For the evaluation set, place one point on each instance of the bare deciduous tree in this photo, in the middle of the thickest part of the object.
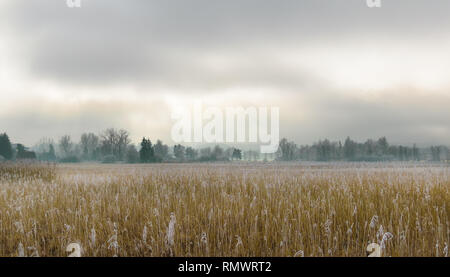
(115, 142)
(65, 145)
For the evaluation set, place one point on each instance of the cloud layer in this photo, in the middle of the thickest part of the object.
(334, 68)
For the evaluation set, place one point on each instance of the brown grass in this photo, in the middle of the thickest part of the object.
(224, 209)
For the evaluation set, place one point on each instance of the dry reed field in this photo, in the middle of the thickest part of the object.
(224, 209)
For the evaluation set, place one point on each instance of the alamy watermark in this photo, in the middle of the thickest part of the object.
(73, 3)
(228, 125)
(373, 3)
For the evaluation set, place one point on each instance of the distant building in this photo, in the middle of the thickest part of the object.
(23, 153)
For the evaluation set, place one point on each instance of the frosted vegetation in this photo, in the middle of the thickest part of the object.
(236, 209)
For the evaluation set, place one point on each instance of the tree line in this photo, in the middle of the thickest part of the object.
(350, 150)
(111, 146)
(114, 145)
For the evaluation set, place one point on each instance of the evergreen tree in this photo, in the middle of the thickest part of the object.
(161, 151)
(350, 149)
(5, 147)
(179, 152)
(237, 154)
(51, 153)
(146, 154)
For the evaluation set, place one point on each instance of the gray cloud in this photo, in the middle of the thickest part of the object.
(162, 42)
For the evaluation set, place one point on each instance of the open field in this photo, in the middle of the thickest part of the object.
(225, 209)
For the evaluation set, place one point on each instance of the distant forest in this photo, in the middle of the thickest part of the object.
(113, 146)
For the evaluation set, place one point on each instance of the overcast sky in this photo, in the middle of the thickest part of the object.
(335, 68)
